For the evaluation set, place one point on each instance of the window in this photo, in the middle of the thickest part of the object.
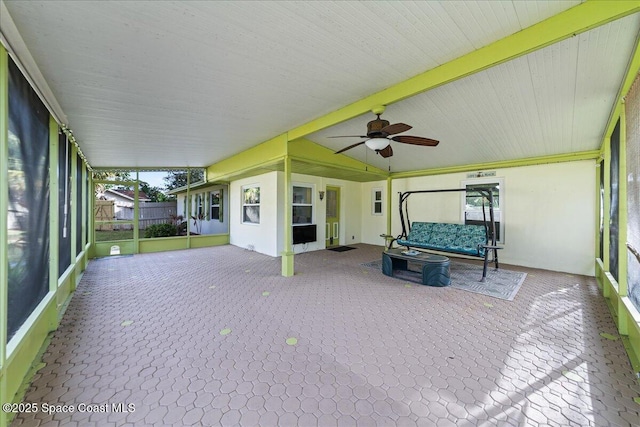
(472, 203)
(302, 205)
(376, 201)
(199, 203)
(251, 204)
(216, 197)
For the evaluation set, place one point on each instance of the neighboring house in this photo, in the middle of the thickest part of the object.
(124, 197)
(206, 207)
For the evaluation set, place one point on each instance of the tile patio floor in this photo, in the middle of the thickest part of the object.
(371, 350)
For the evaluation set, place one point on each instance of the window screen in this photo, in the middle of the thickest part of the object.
(633, 193)
(64, 204)
(28, 213)
(614, 197)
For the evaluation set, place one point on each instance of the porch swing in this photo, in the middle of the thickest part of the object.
(466, 240)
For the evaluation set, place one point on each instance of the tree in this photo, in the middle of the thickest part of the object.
(155, 194)
(176, 179)
(108, 176)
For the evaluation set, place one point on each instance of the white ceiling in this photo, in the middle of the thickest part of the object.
(150, 84)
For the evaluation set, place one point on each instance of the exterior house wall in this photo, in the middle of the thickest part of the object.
(267, 237)
(208, 225)
(549, 213)
(260, 237)
(350, 203)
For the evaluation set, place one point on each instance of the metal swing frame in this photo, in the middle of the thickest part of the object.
(489, 226)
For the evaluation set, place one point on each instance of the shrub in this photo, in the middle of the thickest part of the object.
(160, 230)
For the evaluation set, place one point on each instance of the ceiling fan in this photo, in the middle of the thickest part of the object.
(378, 137)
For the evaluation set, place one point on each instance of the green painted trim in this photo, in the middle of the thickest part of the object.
(287, 253)
(607, 203)
(162, 244)
(632, 72)
(625, 315)
(188, 212)
(4, 207)
(91, 218)
(136, 215)
(26, 342)
(596, 248)
(532, 161)
(103, 249)
(622, 205)
(578, 19)
(305, 150)
(73, 168)
(54, 220)
(268, 151)
(389, 206)
(208, 240)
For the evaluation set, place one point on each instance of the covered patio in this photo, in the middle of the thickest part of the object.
(288, 128)
(204, 337)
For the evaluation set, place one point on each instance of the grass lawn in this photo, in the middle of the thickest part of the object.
(106, 236)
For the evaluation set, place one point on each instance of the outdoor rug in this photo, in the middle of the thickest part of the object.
(502, 284)
(342, 249)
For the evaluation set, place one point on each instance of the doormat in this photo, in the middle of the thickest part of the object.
(502, 284)
(342, 249)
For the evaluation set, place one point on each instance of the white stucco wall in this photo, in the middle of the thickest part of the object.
(259, 237)
(549, 213)
(211, 226)
(350, 205)
(267, 237)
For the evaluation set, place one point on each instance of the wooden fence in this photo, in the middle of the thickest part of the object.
(150, 213)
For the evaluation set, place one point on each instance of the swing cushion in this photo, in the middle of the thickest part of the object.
(456, 238)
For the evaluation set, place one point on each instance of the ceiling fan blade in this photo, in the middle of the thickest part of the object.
(416, 140)
(349, 136)
(350, 147)
(386, 151)
(395, 128)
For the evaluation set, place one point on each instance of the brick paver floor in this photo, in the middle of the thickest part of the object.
(216, 336)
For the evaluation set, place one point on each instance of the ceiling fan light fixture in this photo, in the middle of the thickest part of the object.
(377, 143)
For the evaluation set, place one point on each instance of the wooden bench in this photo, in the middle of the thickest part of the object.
(461, 239)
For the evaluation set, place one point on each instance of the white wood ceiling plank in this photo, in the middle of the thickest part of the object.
(195, 82)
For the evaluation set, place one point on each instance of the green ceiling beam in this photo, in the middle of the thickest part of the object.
(264, 153)
(559, 158)
(632, 72)
(303, 149)
(576, 20)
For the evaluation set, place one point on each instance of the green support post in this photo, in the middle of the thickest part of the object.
(54, 220)
(389, 207)
(136, 215)
(623, 326)
(287, 253)
(4, 240)
(607, 202)
(187, 214)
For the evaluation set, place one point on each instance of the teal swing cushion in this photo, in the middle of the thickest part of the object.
(456, 238)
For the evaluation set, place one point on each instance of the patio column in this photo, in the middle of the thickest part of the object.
(389, 208)
(54, 221)
(623, 292)
(287, 253)
(4, 203)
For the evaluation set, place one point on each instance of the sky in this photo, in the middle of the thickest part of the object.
(154, 179)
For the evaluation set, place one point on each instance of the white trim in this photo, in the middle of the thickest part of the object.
(498, 211)
(312, 203)
(243, 204)
(374, 201)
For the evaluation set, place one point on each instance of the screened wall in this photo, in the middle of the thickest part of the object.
(633, 192)
(28, 204)
(614, 196)
(64, 203)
